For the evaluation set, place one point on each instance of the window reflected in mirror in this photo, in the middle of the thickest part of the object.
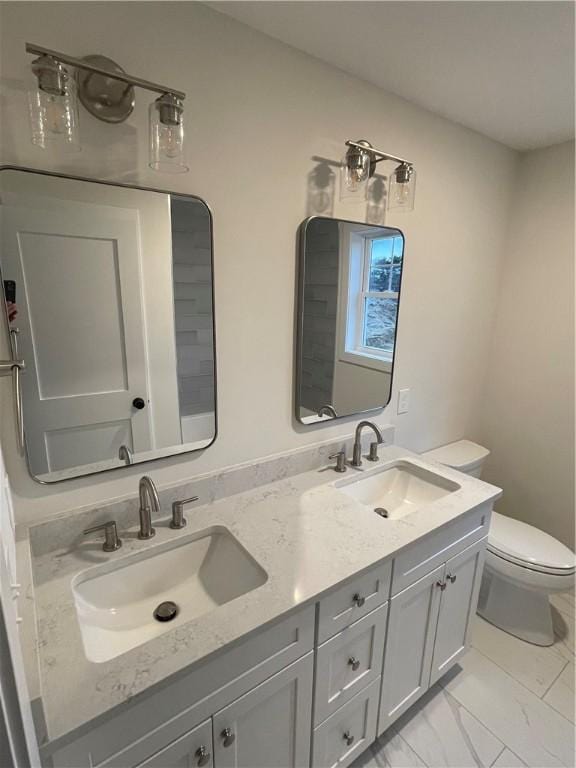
(349, 290)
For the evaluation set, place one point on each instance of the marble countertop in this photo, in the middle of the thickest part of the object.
(305, 533)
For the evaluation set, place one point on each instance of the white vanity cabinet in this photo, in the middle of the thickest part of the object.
(458, 600)
(269, 671)
(269, 726)
(409, 646)
(428, 628)
(314, 688)
(193, 750)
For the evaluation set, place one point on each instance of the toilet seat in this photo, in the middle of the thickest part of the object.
(528, 547)
(526, 578)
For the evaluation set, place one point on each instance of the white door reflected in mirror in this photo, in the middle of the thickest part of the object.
(111, 291)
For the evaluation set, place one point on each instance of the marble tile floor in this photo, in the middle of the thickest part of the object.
(507, 704)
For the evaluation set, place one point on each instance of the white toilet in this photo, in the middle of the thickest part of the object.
(523, 564)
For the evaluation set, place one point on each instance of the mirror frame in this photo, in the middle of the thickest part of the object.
(299, 320)
(6, 327)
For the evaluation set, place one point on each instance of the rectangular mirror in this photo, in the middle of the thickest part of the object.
(349, 292)
(108, 294)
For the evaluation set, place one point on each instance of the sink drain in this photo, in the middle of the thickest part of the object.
(166, 611)
(381, 511)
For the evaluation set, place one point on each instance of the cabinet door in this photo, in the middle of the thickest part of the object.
(193, 750)
(409, 645)
(269, 727)
(457, 607)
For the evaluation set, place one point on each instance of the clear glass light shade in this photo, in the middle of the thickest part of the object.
(402, 191)
(54, 118)
(354, 174)
(166, 139)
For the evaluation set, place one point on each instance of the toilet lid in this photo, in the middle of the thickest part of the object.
(528, 546)
(461, 455)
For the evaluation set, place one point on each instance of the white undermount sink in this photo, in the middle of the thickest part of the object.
(115, 603)
(397, 489)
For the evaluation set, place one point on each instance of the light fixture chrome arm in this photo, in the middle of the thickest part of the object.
(377, 154)
(123, 77)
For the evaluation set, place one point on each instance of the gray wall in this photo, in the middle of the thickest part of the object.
(527, 415)
(193, 306)
(258, 206)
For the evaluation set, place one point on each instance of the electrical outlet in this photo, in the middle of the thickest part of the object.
(403, 401)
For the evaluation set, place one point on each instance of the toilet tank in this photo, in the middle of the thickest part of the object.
(463, 455)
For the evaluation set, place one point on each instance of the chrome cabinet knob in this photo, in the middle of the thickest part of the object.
(348, 738)
(442, 585)
(358, 600)
(228, 737)
(451, 578)
(354, 663)
(203, 756)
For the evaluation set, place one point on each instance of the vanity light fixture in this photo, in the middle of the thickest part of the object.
(107, 92)
(53, 106)
(402, 188)
(167, 134)
(359, 165)
(355, 170)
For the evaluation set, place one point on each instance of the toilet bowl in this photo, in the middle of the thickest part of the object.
(523, 564)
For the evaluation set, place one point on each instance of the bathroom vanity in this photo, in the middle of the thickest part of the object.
(301, 610)
(327, 623)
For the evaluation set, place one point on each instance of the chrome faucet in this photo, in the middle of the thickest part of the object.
(149, 503)
(357, 450)
(125, 455)
(328, 410)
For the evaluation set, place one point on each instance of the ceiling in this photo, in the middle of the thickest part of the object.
(505, 69)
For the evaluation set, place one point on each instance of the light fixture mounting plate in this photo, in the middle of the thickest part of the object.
(107, 99)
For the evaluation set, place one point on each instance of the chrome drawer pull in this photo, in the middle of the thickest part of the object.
(348, 738)
(354, 663)
(228, 737)
(203, 756)
(441, 584)
(358, 600)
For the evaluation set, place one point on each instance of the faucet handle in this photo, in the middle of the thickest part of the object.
(178, 519)
(340, 457)
(111, 540)
(373, 455)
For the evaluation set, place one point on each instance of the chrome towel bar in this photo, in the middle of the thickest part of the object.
(13, 368)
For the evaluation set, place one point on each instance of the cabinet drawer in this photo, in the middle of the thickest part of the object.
(162, 715)
(348, 662)
(355, 599)
(424, 556)
(193, 750)
(348, 732)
